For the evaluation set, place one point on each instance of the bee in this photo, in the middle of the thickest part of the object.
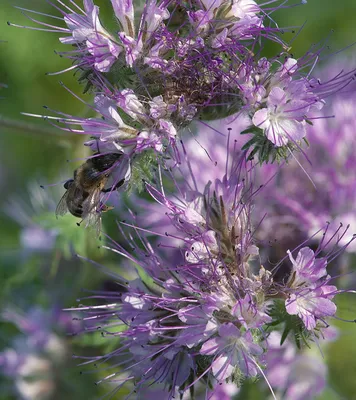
(83, 196)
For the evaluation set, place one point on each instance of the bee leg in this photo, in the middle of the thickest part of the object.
(120, 183)
(105, 208)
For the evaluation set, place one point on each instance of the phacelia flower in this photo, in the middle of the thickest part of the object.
(90, 37)
(38, 356)
(294, 375)
(311, 295)
(201, 316)
(305, 194)
(34, 236)
(193, 321)
(183, 63)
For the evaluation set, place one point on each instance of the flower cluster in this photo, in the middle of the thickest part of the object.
(310, 293)
(297, 375)
(33, 237)
(308, 192)
(201, 313)
(185, 62)
(200, 308)
(38, 355)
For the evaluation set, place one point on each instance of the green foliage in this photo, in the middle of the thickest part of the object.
(224, 106)
(71, 238)
(237, 377)
(203, 362)
(85, 79)
(99, 340)
(122, 76)
(291, 324)
(264, 149)
(342, 352)
(144, 169)
(25, 58)
(250, 391)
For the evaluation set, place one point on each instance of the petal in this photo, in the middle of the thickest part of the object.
(305, 258)
(260, 119)
(228, 329)
(124, 12)
(275, 133)
(330, 290)
(294, 130)
(324, 307)
(221, 368)
(184, 369)
(210, 347)
(276, 98)
(291, 305)
(88, 6)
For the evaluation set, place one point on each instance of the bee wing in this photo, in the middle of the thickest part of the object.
(91, 210)
(93, 219)
(62, 207)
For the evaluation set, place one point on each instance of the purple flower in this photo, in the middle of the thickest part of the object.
(152, 17)
(305, 194)
(34, 235)
(153, 80)
(199, 317)
(37, 356)
(287, 103)
(192, 320)
(306, 268)
(226, 391)
(242, 16)
(111, 134)
(250, 314)
(199, 314)
(277, 120)
(312, 303)
(96, 47)
(88, 33)
(296, 376)
(230, 349)
(310, 296)
(207, 155)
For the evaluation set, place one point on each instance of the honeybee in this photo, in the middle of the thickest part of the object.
(83, 196)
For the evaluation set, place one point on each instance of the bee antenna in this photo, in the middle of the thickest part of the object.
(53, 184)
(78, 223)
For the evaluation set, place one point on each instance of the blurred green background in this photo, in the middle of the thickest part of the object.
(34, 152)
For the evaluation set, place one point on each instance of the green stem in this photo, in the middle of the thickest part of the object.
(34, 129)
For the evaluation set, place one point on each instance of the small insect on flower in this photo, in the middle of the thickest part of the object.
(83, 196)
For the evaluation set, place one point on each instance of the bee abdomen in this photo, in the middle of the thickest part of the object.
(76, 210)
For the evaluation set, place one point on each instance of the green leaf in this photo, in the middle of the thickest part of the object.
(143, 169)
(285, 333)
(291, 324)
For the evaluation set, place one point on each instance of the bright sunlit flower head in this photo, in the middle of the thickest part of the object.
(187, 62)
(202, 317)
(186, 109)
